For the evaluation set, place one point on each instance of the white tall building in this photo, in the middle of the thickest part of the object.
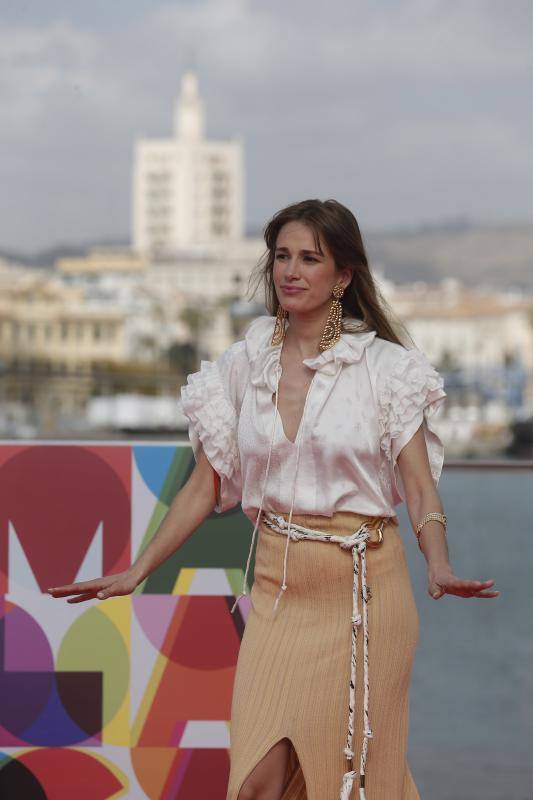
(187, 191)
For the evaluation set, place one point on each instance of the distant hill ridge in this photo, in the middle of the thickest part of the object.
(499, 255)
(46, 258)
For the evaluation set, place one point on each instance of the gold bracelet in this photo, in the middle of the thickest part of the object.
(432, 515)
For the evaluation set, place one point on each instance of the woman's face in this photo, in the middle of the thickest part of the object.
(304, 278)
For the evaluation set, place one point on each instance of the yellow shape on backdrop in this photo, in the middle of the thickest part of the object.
(184, 580)
(117, 730)
(147, 700)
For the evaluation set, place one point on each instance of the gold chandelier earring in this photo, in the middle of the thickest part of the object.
(332, 329)
(279, 327)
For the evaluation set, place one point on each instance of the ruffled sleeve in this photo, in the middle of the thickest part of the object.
(409, 395)
(211, 401)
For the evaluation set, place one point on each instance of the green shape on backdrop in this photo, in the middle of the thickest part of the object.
(221, 541)
(93, 644)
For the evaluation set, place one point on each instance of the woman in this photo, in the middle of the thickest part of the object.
(319, 422)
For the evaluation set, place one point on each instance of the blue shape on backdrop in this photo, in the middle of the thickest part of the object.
(153, 462)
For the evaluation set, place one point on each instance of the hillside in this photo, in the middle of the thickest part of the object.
(499, 255)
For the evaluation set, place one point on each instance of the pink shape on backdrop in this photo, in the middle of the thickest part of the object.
(154, 613)
(245, 604)
(8, 740)
(177, 778)
(26, 648)
(177, 733)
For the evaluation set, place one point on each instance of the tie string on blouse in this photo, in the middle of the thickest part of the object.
(299, 435)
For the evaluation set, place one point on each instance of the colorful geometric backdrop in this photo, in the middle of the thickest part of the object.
(127, 697)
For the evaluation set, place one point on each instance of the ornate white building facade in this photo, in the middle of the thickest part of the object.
(187, 191)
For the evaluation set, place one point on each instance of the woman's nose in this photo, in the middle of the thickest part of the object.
(292, 268)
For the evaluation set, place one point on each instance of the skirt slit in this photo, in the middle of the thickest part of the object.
(294, 781)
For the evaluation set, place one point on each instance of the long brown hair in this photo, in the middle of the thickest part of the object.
(364, 307)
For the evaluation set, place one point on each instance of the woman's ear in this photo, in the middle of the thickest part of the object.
(346, 276)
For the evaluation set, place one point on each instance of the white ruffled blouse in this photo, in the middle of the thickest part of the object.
(367, 398)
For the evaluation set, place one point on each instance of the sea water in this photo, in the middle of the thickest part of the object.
(471, 698)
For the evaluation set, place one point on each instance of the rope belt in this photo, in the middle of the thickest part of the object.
(357, 542)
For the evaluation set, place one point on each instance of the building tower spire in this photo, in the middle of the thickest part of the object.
(189, 117)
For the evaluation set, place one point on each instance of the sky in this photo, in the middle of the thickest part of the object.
(408, 111)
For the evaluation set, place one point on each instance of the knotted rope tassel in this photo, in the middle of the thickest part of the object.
(347, 784)
(358, 547)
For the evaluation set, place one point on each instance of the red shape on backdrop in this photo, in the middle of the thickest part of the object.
(216, 481)
(66, 774)
(206, 776)
(217, 649)
(55, 497)
(197, 681)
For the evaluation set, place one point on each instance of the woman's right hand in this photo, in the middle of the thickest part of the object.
(110, 586)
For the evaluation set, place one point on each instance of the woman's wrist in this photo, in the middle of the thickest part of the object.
(438, 565)
(138, 573)
(433, 544)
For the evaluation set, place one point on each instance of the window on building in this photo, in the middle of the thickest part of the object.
(157, 178)
(219, 229)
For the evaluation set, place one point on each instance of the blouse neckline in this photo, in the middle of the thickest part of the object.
(264, 357)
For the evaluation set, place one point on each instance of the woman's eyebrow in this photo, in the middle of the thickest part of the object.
(306, 252)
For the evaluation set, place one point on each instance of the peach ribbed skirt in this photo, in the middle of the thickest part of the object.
(293, 670)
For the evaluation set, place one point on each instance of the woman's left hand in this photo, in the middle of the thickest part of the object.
(441, 581)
